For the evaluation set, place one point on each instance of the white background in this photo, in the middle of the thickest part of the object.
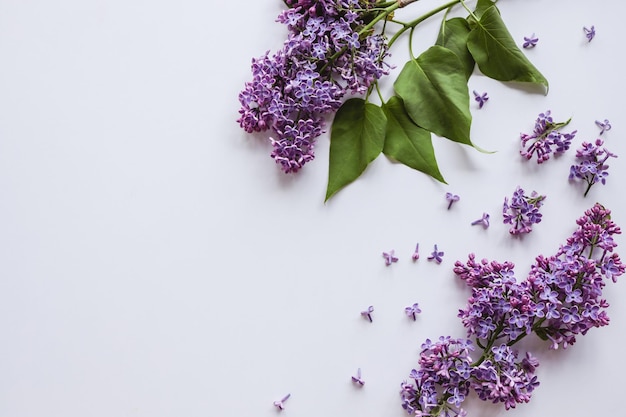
(154, 261)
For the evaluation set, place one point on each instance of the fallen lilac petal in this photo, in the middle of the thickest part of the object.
(368, 313)
(357, 379)
(484, 221)
(389, 257)
(280, 404)
(416, 254)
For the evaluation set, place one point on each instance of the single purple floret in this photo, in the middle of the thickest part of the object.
(436, 255)
(480, 98)
(452, 198)
(604, 126)
(357, 378)
(590, 33)
(530, 41)
(412, 311)
(368, 313)
(280, 404)
(390, 257)
(484, 221)
(416, 253)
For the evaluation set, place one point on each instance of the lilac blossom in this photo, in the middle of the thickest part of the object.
(560, 299)
(452, 198)
(591, 167)
(416, 252)
(530, 41)
(522, 211)
(604, 126)
(368, 313)
(483, 221)
(390, 257)
(357, 379)
(413, 311)
(480, 98)
(546, 139)
(280, 404)
(436, 255)
(589, 33)
(324, 57)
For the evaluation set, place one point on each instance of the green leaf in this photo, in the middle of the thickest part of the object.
(357, 137)
(496, 53)
(482, 6)
(434, 90)
(408, 143)
(453, 35)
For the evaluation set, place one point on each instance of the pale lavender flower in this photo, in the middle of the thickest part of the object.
(589, 33)
(390, 257)
(280, 404)
(412, 311)
(530, 41)
(436, 255)
(452, 198)
(357, 379)
(480, 98)
(368, 313)
(484, 221)
(604, 126)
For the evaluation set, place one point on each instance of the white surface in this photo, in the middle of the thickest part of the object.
(155, 262)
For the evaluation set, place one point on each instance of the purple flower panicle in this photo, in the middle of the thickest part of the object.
(546, 139)
(323, 59)
(522, 211)
(591, 167)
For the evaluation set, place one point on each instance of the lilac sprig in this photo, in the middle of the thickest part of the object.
(326, 55)
(591, 167)
(546, 139)
(522, 211)
(560, 299)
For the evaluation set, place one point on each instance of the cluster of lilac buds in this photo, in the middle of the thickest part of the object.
(560, 299)
(329, 52)
(591, 167)
(546, 139)
(522, 211)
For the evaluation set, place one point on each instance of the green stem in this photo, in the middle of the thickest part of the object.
(413, 23)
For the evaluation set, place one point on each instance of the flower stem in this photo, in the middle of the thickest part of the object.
(413, 23)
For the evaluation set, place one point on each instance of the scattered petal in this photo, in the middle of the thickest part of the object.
(436, 255)
(280, 404)
(389, 257)
(530, 41)
(412, 311)
(416, 254)
(452, 198)
(590, 33)
(368, 313)
(604, 126)
(357, 378)
(484, 221)
(480, 98)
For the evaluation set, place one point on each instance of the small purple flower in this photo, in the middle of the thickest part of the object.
(412, 311)
(357, 378)
(604, 126)
(480, 98)
(589, 33)
(436, 255)
(452, 198)
(484, 221)
(530, 41)
(416, 253)
(368, 313)
(522, 211)
(389, 257)
(591, 167)
(280, 404)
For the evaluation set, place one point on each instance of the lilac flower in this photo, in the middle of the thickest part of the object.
(368, 313)
(604, 126)
(357, 378)
(546, 139)
(412, 311)
(323, 59)
(484, 221)
(389, 257)
(452, 198)
(480, 98)
(589, 33)
(416, 253)
(522, 211)
(280, 404)
(530, 41)
(591, 167)
(436, 255)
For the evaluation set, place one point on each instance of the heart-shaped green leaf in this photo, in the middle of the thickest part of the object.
(482, 6)
(496, 53)
(434, 90)
(408, 143)
(453, 35)
(357, 137)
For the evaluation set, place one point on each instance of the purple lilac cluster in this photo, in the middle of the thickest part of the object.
(328, 53)
(522, 211)
(546, 139)
(560, 299)
(591, 167)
